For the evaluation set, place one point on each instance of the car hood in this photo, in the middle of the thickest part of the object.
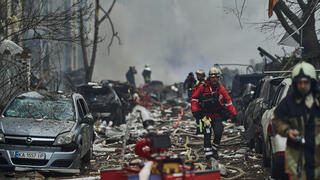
(33, 127)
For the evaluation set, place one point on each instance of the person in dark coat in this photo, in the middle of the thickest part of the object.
(297, 117)
(189, 84)
(130, 75)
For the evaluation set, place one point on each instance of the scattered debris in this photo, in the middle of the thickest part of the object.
(110, 142)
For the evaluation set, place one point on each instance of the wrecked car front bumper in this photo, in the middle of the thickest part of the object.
(54, 158)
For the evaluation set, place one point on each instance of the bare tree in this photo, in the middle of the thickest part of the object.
(237, 11)
(297, 18)
(305, 34)
(89, 63)
(37, 22)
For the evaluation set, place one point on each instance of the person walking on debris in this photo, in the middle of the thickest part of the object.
(297, 117)
(130, 75)
(216, 106)
(195, 107)
(146, 73)
(189, 84)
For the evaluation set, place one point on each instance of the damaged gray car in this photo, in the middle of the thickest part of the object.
(46, 132)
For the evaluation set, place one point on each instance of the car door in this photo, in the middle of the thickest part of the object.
(89, 116)
(85, 128)
(268, 115)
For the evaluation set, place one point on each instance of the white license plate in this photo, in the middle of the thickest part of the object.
(30, 155)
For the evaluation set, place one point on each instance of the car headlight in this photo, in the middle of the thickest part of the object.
(63, 139)
(2, 138)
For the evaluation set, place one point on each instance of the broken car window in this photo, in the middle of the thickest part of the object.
(27, 107)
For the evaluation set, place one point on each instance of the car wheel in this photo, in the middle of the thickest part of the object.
(239, 119)
(118, 117)
(266, 151)
(258, 144)
(122, 116)
(274, 171)
(277, 167)
(245, 123)
(88, 156)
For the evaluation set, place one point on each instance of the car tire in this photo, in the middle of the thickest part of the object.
(258, 144)
(277, 167)
(266, 153)
(88, 156)
(239, 120)
(118, 117)
(245, 122)
(122, 116)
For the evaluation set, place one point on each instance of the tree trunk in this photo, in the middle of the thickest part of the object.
(311, 52)
(89, 72)
(89, 66)
(310, 42)
(83, 46)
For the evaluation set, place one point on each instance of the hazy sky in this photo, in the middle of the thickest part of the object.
(179, 36)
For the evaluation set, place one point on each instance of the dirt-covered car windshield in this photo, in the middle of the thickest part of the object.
(38, 108)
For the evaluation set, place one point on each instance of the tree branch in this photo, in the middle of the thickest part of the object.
(310, 2)
(114, 34)
(311, 8)
(107, 13)
(302, 5)
(285, 24)
(291, 16)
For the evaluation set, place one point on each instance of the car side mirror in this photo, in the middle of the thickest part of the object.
(88, 119)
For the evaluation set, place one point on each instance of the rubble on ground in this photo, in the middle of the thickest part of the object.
(235, 157)
(236, 160)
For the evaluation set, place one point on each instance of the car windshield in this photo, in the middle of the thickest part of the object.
(239, 83)
(41, 108)
(95, 91)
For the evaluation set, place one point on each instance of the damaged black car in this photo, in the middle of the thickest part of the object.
(103, 102)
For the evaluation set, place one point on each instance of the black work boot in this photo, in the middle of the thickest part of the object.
(208, 152)
(215, 154)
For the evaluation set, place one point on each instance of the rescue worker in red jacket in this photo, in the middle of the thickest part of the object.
(216, 106)
(195, 107)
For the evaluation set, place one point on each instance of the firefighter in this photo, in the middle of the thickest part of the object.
(146, 73)
(297, 117)
(130, 75)
(188, 84)
(195, 108)
(213, 100)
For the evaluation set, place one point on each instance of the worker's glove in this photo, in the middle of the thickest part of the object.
(206, 121)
